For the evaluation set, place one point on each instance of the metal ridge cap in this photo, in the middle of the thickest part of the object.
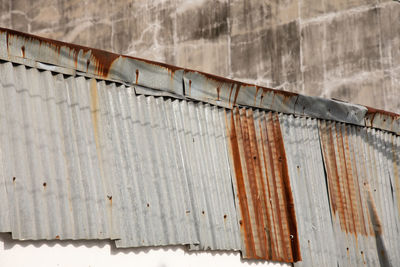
(28, 49)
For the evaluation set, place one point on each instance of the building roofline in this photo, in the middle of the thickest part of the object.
(155, 78)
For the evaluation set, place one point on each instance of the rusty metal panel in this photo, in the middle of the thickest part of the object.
(164, 79)
(362, 180)
(265, 202)
(307, 177)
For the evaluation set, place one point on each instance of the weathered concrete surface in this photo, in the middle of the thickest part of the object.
(342, 49)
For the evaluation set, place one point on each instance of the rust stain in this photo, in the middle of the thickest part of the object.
(190, 87)
(137, 76)
(94, 109)
(291, 215)
(230, 92)
(264, 191)
(23, 51)
(255, 96)
(236, 94)
(373, 111)
(245, 223)
(218, 92)
(343, 179)
(103, 60)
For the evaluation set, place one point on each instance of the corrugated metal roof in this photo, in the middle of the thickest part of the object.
(267, 217)
(134, 156)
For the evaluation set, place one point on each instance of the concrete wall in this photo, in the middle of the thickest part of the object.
(344, 49)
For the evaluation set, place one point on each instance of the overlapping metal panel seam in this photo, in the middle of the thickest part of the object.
(149, 218)
(155, 152)
(307, 176)
(208, 164)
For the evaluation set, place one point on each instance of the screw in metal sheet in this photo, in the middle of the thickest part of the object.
(109, 197)
(14, 179)
(44, 184)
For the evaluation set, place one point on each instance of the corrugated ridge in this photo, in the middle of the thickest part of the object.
(307, 177)
(160, 152)
(267, 219)
(361, 173)
(164, 79)
(51, 195)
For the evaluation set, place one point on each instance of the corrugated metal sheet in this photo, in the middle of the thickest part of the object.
(267, 218)
(362, 178)
(83, 159)
(165, 79)
(307, 177)
(50, 167)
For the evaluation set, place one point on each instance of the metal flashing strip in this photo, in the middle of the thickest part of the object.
(73, 59)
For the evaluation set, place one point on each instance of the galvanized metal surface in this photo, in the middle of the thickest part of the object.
(91, 159)
(362, 181)
(83, 159)
(267, 218)
(49, 160)
(307, 177)
(72, 59)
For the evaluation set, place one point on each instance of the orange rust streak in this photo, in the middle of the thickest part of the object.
(345, 183)
(248, 142)
(277, 208)
(363, 228)
(244, 209)
(295, 247)
(350, 183)
(326, 152)
(270, 213)
(354, 186)
(261, 173)
(344, 190)
(338, 188)
(137, 76)
(236, 94)
(230, 92)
